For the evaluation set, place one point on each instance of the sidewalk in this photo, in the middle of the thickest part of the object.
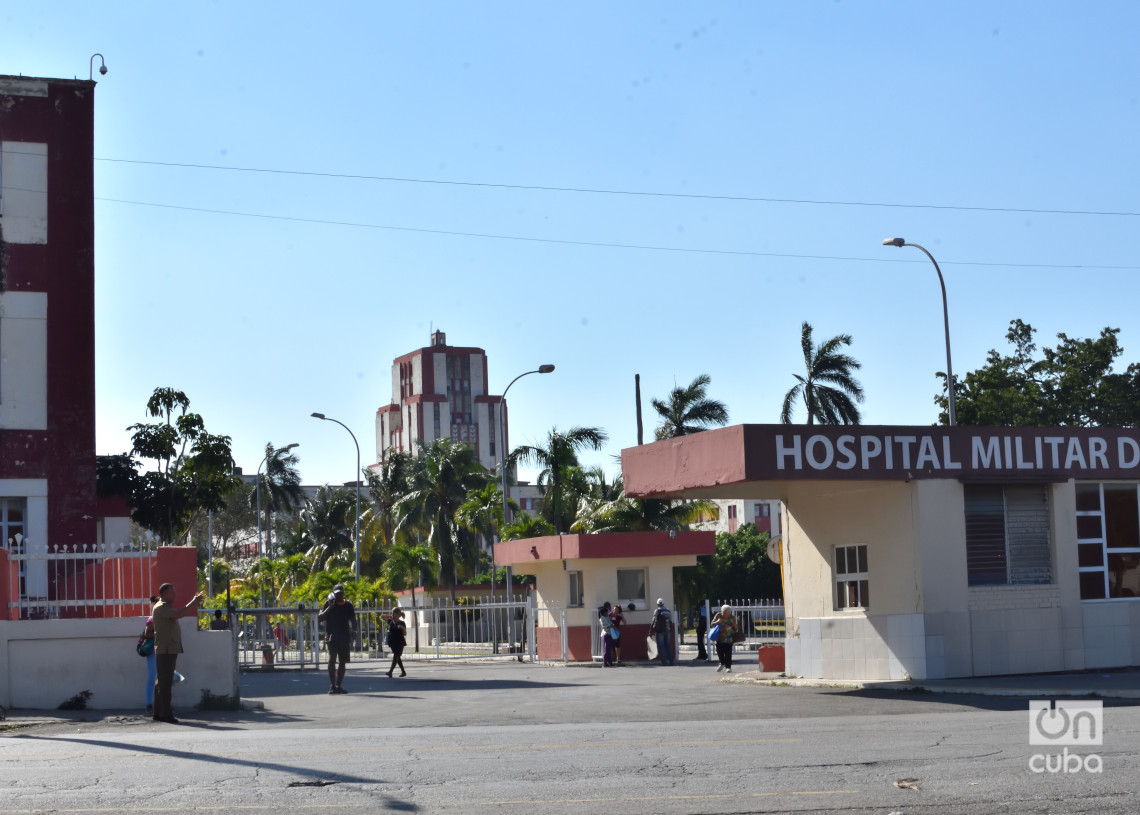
(1121, 683)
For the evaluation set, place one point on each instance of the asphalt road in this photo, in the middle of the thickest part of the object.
(516, 738)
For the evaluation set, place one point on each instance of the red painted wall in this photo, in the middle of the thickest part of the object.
(64, 268)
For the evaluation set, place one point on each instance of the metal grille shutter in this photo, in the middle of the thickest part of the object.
(985, 535)
(1027, 529)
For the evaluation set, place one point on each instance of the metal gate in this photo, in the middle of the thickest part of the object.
(468, 628)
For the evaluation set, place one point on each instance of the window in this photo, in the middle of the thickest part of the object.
(1007, 535)
(851, 577)
(631, 587)
(576, 594)
(1108, 541)
(12, 535)
(23, 192)
(492, 428)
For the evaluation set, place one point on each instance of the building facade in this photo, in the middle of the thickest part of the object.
(47, 321)
(934, 552)
(441, 392)
(731, 514)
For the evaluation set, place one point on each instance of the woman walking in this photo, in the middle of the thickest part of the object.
(397, 639)
(727, 625)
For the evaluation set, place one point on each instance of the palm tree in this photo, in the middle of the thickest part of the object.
(388, 483)
(326, 526)
(280, 485)
(526, 525)
(828, 389)
(621, 513)
(689, 410)
(562, 481)
(446, 472)
(408, 566)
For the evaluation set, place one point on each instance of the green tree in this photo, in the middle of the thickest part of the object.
(387, 484)
(525, 525)
(738, 570)
(1071, 385)
(326, 528)
(622, 513)
(280, 488)
(408, 566)
(191, 470)
(561, 481)
(829, 390)
(689, 410)
(446, 473)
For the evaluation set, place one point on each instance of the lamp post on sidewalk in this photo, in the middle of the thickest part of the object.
(357, 480)
(945, 321)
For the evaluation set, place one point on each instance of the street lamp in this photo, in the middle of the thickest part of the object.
(285, 449)
(354, 441)
(542, 369)
(945, 319)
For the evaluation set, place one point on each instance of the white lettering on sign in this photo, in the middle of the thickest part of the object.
(997, 452)
(1129, 457)
(783, 452)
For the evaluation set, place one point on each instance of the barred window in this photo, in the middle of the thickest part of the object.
(1007, 535)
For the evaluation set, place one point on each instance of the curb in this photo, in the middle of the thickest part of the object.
(778, 680)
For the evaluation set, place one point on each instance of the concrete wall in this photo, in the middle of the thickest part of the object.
(823, 515)
(47, 662)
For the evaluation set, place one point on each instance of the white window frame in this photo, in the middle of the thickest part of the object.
(639, 603)
(576, 595)
(852, 588)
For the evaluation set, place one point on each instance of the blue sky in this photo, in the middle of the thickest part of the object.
(657, 188)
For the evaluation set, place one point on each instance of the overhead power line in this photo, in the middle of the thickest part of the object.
(602, 191)
(601, 244)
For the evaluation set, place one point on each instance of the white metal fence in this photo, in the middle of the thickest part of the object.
(468, 628)
(762, 621)
(108, 580)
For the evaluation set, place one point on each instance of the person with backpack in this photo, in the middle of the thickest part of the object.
(661, 628)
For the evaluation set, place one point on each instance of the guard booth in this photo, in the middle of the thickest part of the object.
(581, 572)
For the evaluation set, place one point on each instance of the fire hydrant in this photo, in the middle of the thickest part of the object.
(267, 656)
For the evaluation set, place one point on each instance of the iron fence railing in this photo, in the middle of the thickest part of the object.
(470, 627)
(83, 580)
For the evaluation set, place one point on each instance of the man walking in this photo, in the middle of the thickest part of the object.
(167, 647)
(661, 625)
(339, 618)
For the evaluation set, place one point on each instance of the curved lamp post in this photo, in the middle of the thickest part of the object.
(945, 320)
(542, 369)
(357, 479)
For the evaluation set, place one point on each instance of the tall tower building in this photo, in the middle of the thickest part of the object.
(441, 392)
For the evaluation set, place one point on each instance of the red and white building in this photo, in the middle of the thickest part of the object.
(47, 320)
(441, 392)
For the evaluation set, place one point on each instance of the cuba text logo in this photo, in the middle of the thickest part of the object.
(1076, 723)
